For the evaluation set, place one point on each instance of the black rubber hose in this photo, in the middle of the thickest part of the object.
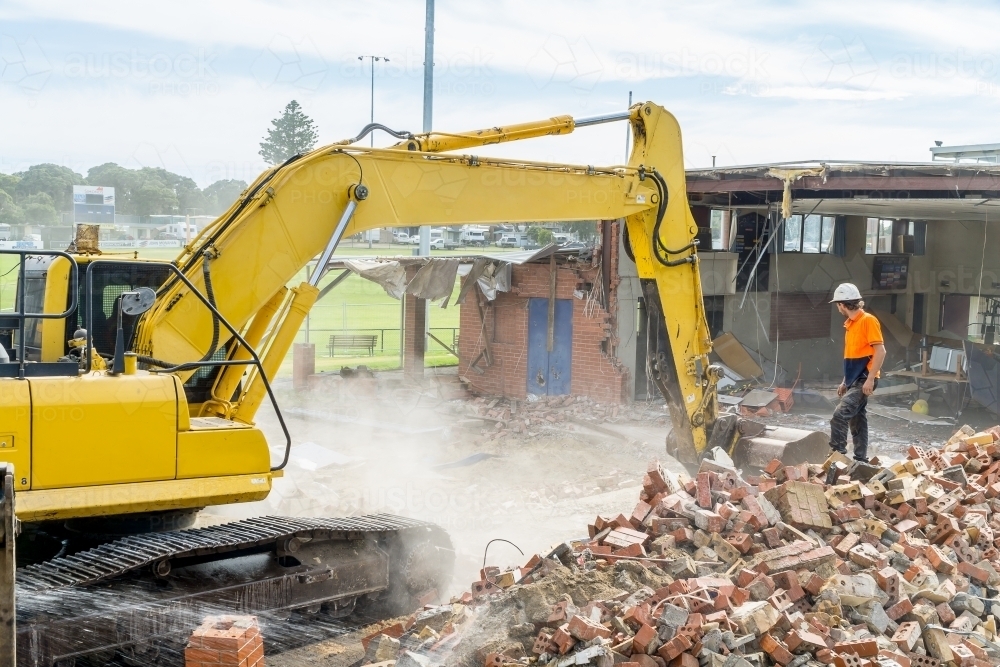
(660, 250)
(627, 242)
(153, 361)
(210, 293)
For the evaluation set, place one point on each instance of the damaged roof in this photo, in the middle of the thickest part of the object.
(918, 190)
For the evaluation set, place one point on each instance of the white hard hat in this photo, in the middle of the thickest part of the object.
(845, 292)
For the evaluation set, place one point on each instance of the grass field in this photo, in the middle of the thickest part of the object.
(355, 306)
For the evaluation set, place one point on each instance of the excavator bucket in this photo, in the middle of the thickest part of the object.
(759, 444)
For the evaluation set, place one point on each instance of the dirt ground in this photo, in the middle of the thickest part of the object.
(365, 446)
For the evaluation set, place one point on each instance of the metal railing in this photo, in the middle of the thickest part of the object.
(444, 337)
(20, 316)
(253, 361)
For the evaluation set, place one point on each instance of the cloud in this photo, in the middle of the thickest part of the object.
(756, 83)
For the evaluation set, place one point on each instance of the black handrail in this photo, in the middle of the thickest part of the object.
(255, 360)
(20, 315)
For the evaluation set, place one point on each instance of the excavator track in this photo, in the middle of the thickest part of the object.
(135, 600)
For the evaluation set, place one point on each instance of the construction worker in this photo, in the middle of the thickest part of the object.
(864, 353)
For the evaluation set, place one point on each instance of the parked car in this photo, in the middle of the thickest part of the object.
(438, 244)
(400, 237)
(509, 242)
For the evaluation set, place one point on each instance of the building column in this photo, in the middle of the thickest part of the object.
(414, 338)
(303, 364)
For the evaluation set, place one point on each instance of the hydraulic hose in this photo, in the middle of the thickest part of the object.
(661, 251)
(210, 293)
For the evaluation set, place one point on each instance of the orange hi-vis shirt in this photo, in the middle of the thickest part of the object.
(859, 338)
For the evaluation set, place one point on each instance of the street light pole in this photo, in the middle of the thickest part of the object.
(372, 118)
(373, 59)
(425, 231)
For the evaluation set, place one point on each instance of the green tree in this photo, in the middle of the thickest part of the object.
(152, 197)
(55, 181)
(585, 231)
(123, 180)
(39, 209)
(220, 195)
(10, 213)
(540, 235)
(189, 196)
(147, 191)
(294, 133)
(8, 183)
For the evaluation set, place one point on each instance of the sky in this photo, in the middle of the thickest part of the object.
(192, 86)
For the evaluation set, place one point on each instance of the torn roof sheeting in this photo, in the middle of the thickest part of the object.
(436, 277)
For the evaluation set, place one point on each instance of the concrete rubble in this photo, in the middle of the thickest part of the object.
(895, 563)
(527, 417)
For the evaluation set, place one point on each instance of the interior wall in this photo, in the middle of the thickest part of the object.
(954, 253)
(959, 257)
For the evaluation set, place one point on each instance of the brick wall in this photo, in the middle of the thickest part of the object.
(595, 372)
(800, 316)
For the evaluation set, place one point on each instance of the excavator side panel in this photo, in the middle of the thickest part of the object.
(208, 452)
(15, 429)
(94, 429)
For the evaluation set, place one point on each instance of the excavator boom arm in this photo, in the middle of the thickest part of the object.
(294, 212)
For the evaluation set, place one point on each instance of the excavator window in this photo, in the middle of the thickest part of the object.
(34, 302)
(198, 387)
(110, 281)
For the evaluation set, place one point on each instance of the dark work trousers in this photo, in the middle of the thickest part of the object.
(851, 413)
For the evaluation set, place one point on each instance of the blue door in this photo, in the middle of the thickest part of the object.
(549, 372)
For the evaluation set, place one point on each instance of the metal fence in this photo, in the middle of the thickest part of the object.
(352, 321)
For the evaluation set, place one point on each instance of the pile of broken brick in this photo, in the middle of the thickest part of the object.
(510, 416)
(889, 564)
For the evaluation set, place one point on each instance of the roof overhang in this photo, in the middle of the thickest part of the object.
(963, 210)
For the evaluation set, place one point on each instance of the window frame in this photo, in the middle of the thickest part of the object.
(877, 228)
(800, 225)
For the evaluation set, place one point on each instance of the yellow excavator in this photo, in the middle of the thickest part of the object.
(129, 399)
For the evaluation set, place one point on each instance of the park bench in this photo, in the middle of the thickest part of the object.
(352, 342)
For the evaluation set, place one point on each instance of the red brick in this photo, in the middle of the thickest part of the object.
(865, 648)
(900, 609)
(704, 489)
(585, 629)
(643, 638)
(945, 613)
(209, 655)
(562, 640)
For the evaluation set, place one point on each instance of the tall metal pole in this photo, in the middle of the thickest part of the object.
(373, 59)
(372, 135)
(628, 131)
(425, 231)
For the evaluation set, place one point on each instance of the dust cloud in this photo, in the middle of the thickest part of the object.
(369, 445)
